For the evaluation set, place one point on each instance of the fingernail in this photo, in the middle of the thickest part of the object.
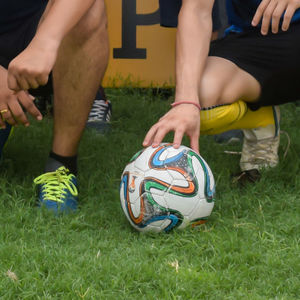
(39, 118)
(26, 125)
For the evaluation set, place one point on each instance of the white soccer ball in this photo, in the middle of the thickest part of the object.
(165, 188)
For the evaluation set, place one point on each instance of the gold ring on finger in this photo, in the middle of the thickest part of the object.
(3, 111)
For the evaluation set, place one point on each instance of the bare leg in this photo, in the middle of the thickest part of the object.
(80, 66)
(223, 83)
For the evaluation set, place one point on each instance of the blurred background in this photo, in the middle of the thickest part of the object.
(142, 53)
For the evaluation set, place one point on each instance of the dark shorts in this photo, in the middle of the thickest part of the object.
(273, 60)
(169, 10)
(13, 42)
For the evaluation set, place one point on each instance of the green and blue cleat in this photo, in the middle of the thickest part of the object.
(57, 191)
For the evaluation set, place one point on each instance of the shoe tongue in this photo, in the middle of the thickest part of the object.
(52, 165)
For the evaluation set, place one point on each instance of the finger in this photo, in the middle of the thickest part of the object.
(159, 136)
(194, 142)
(149, 136)
(12, 82)
(2, 120)
(42, 79)
(22, 82)
(18, 113)
(268, 13)
(33, 84)
(289, 13)
(8, 117)
(278, 12)
(178, 138)
(2, 123)
(27, 102)
(259, 12)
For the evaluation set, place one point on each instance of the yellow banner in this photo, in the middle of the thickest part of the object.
(142, 53)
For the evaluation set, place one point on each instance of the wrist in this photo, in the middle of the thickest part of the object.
(186, 92)
(194, 103)
(45, 43)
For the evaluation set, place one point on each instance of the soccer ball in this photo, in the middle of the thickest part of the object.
(165, 188)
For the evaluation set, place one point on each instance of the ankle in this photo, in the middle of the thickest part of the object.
(69, 162)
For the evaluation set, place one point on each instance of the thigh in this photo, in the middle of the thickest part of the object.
(273, 60)
(223, 82)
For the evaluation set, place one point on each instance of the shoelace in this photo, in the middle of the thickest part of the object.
(56, 184)
(98, 111)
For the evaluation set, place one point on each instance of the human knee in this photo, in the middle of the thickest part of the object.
(210, 91)
(93, 22)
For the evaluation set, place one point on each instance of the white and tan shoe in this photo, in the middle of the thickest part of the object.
(260, 147)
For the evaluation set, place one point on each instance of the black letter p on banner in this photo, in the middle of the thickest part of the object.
(130, 20)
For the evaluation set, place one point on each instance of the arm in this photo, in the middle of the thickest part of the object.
(192, 46)
(32, 67)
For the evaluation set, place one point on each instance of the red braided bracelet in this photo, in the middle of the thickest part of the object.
(186, 102)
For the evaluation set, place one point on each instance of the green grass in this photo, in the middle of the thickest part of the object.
(249, 249)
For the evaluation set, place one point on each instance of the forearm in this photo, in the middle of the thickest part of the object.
(60, 18)
(192, 46)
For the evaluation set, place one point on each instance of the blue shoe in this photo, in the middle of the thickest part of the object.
(4, 135)
(57, 191)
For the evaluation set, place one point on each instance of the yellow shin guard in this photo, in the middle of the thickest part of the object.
(234, 116)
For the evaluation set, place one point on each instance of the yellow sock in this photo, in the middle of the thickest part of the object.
(234, 116)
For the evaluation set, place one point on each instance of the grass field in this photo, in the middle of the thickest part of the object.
(249, 249)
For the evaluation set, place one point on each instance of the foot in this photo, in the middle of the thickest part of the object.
(260, 147)
(100, 114)
(57, 190)
(99, 117)
(244, 177)
(4, 135)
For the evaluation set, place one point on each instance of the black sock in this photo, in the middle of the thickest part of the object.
(69, 162)
(100, 94)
